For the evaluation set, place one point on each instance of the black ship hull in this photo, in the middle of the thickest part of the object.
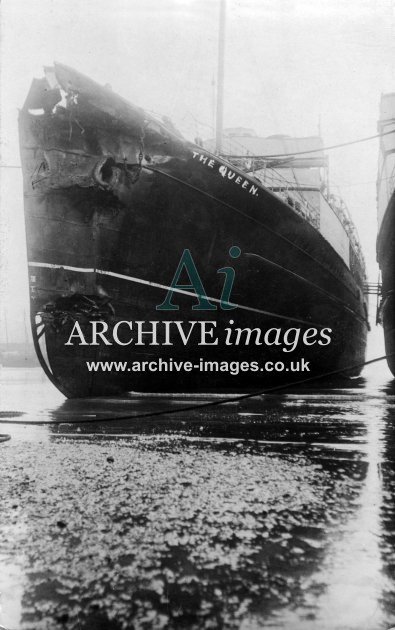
(112, 201)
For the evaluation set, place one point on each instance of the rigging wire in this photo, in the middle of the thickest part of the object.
(271, 155)
(280, 178)
(334, 146)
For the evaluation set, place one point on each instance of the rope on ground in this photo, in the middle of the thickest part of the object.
(212, 403)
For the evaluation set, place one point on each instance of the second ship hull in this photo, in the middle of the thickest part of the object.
(385, 257)
(386, 223)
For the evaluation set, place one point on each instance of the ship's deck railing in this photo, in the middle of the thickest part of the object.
(373, 288)
(281, 186)
(340, 209)
(291, 192)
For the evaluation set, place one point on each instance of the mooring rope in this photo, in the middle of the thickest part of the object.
(211, 403)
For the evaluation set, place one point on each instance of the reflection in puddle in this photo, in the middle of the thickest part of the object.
(355, 567)
(11, 592)
(352, 573)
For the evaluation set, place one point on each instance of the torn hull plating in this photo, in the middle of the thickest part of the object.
(112, 199)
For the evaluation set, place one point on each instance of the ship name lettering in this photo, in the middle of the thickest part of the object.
(227, 172)
(204, 159)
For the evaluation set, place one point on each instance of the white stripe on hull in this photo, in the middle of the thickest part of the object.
(166, 288)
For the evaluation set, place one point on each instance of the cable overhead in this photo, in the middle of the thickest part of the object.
(275, 155)
(334, 146)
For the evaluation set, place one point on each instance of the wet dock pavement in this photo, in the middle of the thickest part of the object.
(273, 512)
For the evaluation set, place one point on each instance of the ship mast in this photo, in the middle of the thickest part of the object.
(220, 78)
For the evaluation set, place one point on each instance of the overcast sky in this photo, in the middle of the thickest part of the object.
(292, 67)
